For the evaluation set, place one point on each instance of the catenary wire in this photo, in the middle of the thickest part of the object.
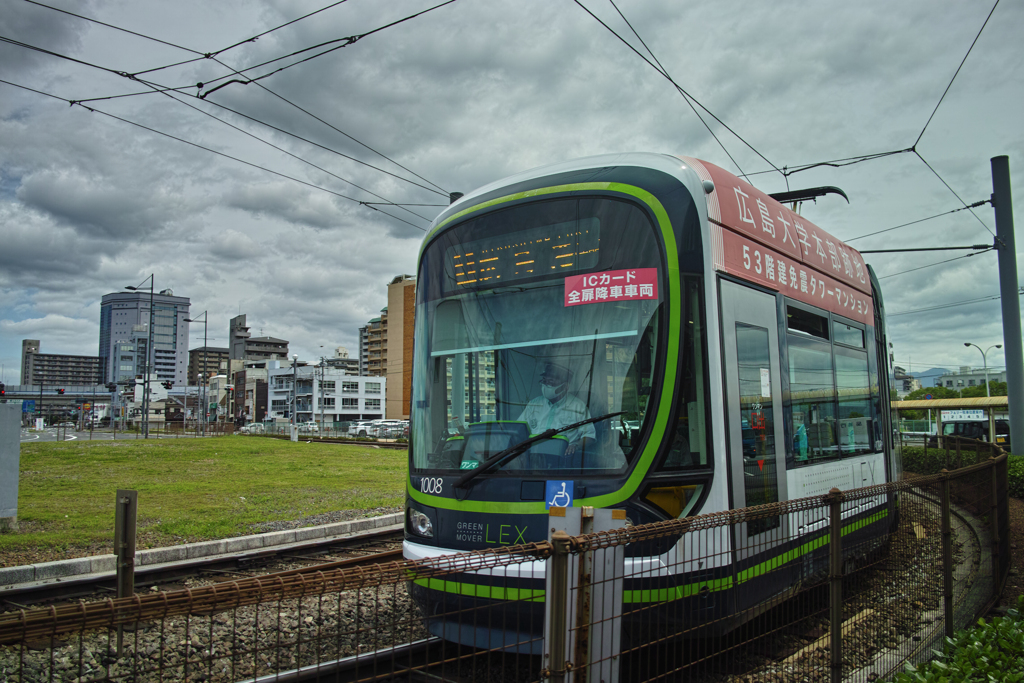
(296, 156)
(685, 97)
(920, 220)
(918, 154)
(669, 79)
(218, 153)
(834, 163)
(134, 76)
(938, 263)
(950, 85)
(156, 88)
(942, 306)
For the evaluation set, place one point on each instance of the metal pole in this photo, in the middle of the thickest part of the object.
(836, 588)
(124, 547)
(1010, 299)
(295, 397)
(323, 375)
(558, 597)
(947, 557)
(149, 363)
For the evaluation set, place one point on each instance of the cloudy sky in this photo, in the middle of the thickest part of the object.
(457, 97)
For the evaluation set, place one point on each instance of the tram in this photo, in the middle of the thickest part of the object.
(657, 336)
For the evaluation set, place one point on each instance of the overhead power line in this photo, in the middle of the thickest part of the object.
(938, 263)
(682, 90)
(920, 220)
(957, 72)
(218, 153)
(154, 88)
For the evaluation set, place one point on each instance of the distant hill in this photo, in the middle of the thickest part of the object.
(929, 376)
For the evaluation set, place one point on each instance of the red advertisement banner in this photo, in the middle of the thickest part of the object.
(611, 285)
(785, 274)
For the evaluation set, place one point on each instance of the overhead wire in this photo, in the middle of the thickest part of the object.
(938, 263)
(669, 79)
(681, 92)
(218, 153)
(948, 187)
(956, 73)
(134, 76)
(920, 220)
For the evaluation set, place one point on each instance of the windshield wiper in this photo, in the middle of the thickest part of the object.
(521, 447)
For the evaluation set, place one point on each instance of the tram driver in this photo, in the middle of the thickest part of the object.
(556, 408)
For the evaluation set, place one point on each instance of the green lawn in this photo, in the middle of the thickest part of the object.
(193, 489)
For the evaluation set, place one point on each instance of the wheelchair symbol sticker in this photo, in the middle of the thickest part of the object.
(558, 494)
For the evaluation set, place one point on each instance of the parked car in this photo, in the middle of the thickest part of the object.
(252, 428)
(388, 429)
(974, 429)
(360, 428)
(309, 427)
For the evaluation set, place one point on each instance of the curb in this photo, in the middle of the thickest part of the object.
(99, 564)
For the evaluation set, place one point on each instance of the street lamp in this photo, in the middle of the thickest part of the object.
(202, 411)
(295, 396)
(149, 354)
(984, 360)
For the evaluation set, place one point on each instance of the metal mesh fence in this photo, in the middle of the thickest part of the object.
(847, 586)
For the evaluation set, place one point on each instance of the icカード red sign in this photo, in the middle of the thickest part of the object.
(611, 285)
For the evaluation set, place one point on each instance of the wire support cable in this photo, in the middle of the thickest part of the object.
(942, 180)
(667, 77)
(956, 73)
(938, 263)
(155, 88)
(950, 305)
(682, 93)
(218, 153)
(920, 220)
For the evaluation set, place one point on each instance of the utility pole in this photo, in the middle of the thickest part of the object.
(295, 397)
(1010, 300)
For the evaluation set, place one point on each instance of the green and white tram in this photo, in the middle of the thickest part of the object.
(725, 350)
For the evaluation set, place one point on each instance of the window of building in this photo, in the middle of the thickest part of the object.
(350, 403)
(350, 387)
(373, 388)
(328, 402)
(373, 404)
(327, 385)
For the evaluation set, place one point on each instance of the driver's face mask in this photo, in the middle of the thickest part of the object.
(551, 393)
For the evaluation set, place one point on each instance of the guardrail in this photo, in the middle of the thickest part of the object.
(865, 581)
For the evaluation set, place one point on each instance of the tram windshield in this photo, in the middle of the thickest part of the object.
(533, 318)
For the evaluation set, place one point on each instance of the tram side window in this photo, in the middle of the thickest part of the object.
(689, 441)
(812, 389)
(856, 432)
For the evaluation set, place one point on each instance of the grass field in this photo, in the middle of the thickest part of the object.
(193, 489)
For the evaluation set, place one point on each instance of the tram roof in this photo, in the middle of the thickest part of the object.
(977, 402)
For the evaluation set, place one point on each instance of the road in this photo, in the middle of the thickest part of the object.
(72, 434)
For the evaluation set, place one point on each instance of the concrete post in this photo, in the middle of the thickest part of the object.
(1002, 201)
(835, 542)
(10, 465)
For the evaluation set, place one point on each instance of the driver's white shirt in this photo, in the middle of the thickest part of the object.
(541, 414)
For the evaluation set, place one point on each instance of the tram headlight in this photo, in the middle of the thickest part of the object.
(420, 524)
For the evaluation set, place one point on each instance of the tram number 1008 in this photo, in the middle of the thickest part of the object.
(431, 485)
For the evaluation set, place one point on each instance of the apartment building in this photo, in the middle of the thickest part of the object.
(325, 391)
(51, 369)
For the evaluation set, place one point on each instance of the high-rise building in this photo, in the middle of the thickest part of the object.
(205, 361)
(376, 345)
(50, 369)
(364, 350)
(246, 347)
(124, 333)
(397, 343)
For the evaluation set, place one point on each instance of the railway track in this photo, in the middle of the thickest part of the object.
(368, 548)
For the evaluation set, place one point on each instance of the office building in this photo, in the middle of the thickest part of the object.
(124, 321)
(970, 377)
(55, 369)
(205, 361)
(323, 391)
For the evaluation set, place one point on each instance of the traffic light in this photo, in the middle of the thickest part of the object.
(167, 385)
(111, 387)
(3, 389)
(60, 391)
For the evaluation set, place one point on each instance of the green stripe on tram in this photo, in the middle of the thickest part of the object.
(645, 596)
(660, 428)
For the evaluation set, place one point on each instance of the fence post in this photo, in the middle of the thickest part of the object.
(994, 516)
(959, 454)
(947, 556)
(836, 583)
(555, 604)
(124, 548)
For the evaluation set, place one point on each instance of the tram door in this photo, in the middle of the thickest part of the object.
(757, 451)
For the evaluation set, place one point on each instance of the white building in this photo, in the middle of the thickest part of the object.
(969, 377)
(124, 333)
(329, 392)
